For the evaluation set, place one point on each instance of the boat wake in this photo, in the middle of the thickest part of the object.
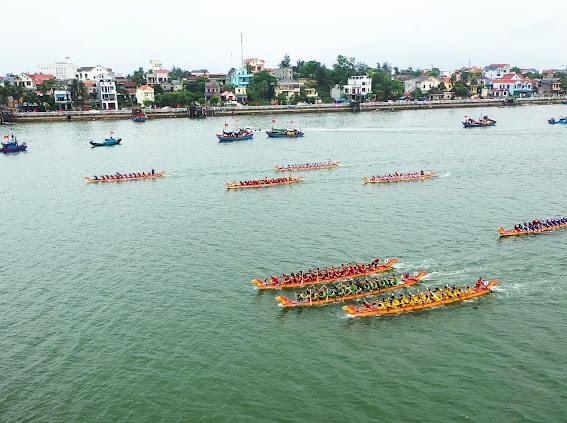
(445, 175)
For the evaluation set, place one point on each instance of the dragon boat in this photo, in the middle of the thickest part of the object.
(286, 302)
(275, 283)
(308, 166)
(378, 179)
(513, 232)
(122, 177)
(264, 183)
(381, 308)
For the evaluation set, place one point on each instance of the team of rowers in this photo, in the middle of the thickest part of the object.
(119, 176)
(308, 165)
(397, 176)
(265, 181)
(349, 288)
(425, 297)
(327, 273)
(536, 224)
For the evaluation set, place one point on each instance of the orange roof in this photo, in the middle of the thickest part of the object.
(145, 87)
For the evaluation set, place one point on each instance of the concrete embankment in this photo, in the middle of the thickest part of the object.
(249, 110)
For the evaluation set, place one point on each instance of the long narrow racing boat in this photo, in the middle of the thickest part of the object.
(280, 282)
(514, 232)
(286, 302)
(122, 177)
(418, 302)
(382, 179)
(268, 182)
(307, 166)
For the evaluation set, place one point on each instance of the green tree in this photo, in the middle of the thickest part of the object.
(178, 73)
(78, 90)
(285, 63)
(261, 87)
(138, 77)
(434, 72)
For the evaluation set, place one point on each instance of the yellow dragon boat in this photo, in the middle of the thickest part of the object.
(512, 232)
(383, 179)
(277, 283)
(417, 302)
(307, 166)
(286, 302)
(259, 183)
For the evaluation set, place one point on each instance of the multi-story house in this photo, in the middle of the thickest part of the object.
(61, 70)
(550, 86)
(106, 93)
(88, 73)
(240, 78)
(144, 95)
(219, 78)
(63, 99)
(496, 70)
(283, 73)
(511, 84)
(240, 94)
(212, 89)
(357, 87)
(256, 65)
(288, 87)
(158, 76)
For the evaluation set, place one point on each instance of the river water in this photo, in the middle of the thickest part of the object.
(132, 301)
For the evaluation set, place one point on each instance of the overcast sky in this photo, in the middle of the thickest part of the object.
(125, 35)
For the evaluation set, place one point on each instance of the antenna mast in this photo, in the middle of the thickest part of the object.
(241, 50)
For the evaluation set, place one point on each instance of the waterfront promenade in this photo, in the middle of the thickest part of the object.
(249, 110)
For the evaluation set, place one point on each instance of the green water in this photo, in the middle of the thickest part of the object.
(132, 301)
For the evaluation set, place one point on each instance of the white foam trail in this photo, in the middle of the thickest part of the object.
(445, 175)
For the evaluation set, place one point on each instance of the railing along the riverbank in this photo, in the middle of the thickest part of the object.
(223, 110)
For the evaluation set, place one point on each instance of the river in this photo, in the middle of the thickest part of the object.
(132, 301)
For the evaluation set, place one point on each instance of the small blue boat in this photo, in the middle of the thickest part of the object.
(285, 133)
(562, 119)
(229, 136)
(107, 142)
(13, 147)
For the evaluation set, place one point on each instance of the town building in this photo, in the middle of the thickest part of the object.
(357, 87)
(241, 94)
(256, 65)
(92, 73)
(63, 99)
(511, 84)
(282, 73)
(158, 76)
(106, 92)
(496, 70)
(61, 70)
(240, 77)
(24, 80)
(144, 95)
(550, 86)
(212, 89)
(288, 87)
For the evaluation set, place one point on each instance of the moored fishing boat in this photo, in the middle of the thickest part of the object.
(420, 301)
(125, 177)
(535, 226)
(266, 182)
(139, 117)
(307, 166)
(482, 122)
(331, 274)
(404, 282)
(398, 177)
(12, 145)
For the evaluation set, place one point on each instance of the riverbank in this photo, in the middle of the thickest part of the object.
(251, 110)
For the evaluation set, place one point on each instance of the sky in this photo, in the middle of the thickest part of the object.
(125, 34)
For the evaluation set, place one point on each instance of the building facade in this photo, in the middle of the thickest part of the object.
(357, 87)
(144, 95)
(61, 70)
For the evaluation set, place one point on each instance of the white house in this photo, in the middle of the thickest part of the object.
(106, 92)
(496, 70)
(158, 76)
(511, 84)
(61, 70)
(144, 94)
(257, 65)
(357, 86)
(89, 73)
(25, 80)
